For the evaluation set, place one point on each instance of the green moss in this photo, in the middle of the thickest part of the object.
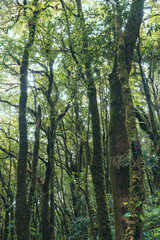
(134, 229)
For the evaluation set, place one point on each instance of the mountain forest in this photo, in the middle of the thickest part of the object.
(79, 120)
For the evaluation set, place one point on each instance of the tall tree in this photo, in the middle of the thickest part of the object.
(22, 208)
(97, 168)
(125, 46)
(118, 128)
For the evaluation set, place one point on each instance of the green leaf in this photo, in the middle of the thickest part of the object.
(125, 203)
(141, 217)
(138, 204)
(128, 214)
(146, 234)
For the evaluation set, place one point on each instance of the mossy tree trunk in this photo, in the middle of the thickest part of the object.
(48, 186)
(47, 212)
(125, 46)
(97, 168)
(48, 209)
(118, 154)
(89, 207)
(22, 216)
(118, 129)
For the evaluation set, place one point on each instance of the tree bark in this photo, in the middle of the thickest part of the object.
(97, 168)
(22, 210)
(118, 155)
(125, 47)
(118, 129)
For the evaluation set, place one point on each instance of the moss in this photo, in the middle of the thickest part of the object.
(118, 151)
(134, 229)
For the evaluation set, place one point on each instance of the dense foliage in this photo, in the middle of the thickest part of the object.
(58, 163)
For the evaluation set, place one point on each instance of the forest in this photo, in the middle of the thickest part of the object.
(79, 120)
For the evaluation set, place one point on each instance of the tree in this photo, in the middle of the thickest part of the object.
(74, 124)
(22, 209)
(125, 47)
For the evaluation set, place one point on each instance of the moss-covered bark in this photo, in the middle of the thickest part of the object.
(45, 206)
(22, 217)
(122, 113)
(97, 167)
(118, 155)
(134, 230)
(34, 161)
(48, 186)
(125, 129)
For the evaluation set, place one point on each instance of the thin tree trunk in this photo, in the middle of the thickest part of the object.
(34, 164)
(45, 206)
(90, 212)
(156, 137)
(97, 168)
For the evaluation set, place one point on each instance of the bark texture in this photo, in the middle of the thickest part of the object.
(97, 168)
(22, 214)
(125, 47)
(22, 210)
(118, 151)
(119, 114)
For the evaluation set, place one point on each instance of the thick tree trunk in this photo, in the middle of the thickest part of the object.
(119, 115)
(118, 153)
(134, 230)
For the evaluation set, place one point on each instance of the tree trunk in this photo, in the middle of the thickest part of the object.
(134, 230)
(97, 168)
(52, 208)
(45, 206)
(48, 211)
(118, 129)
(22, 211)
(86, 192)
(118, 153)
